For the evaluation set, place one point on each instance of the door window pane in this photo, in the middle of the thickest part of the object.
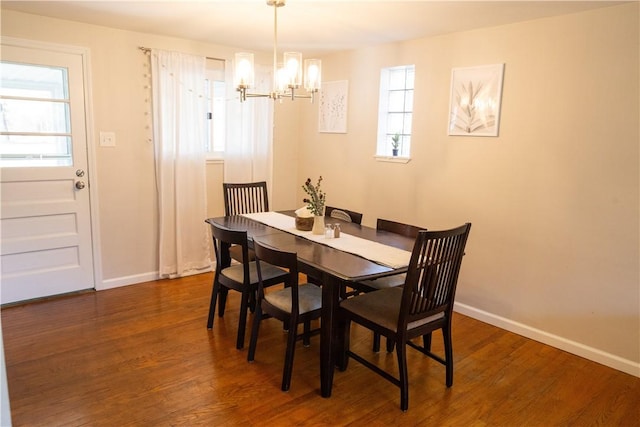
(24, 116)
(35, 123)
(35, 150)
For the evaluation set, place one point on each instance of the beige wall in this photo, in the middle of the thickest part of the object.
(553, 200)
(553, 252)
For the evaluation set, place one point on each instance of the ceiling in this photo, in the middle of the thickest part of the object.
(314, 27)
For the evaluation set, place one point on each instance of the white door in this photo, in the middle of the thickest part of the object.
(45, 217)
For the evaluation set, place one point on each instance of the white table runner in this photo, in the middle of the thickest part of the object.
(374, 251)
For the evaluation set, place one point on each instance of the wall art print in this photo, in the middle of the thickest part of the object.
(332, 110)
(474, 107)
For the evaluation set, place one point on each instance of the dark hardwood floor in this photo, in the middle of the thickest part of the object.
(141, 356)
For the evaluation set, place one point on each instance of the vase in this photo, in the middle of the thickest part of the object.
(318, 224)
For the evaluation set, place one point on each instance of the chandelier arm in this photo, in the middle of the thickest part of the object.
(258, 95)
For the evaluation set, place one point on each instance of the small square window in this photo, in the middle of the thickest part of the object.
(395, 111)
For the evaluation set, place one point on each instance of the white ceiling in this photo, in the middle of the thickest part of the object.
(311, 26)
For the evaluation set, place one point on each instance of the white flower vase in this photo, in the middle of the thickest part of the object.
(318, 224)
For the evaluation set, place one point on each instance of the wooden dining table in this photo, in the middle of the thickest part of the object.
(335, 268)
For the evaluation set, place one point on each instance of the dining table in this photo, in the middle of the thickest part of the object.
(357, 255)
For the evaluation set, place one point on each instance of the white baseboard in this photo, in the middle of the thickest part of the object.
(127, 280)
(141, 278)
(599, 356)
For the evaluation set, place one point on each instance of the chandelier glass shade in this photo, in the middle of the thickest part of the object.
(288, 76)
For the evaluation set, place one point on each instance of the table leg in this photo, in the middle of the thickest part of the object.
(330, 300)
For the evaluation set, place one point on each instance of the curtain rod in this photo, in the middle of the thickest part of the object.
(148, 49)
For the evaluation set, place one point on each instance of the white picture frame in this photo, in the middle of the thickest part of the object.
(332, 111)
(475, 102)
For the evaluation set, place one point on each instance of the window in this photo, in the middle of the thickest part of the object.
(395, 111)
(35, 123)
(216, 111)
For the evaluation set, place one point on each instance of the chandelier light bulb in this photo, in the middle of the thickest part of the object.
(244, 74)
(293, 62)
(313, 74)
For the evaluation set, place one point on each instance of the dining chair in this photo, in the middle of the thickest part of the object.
(387, 281)
(242, 198)
(294, 304)
(422, 305)
(343, 214)
(240, 277)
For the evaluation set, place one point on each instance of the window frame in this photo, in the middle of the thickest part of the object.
(216, 109)
(385, 115)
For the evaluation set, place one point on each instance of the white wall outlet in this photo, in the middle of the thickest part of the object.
(107, 139)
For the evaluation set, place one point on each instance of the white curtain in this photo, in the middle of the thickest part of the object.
(179, 138)
(248, 151)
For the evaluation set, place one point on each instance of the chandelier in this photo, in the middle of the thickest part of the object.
(287, 76)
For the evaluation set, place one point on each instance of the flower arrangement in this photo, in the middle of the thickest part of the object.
(316, 199)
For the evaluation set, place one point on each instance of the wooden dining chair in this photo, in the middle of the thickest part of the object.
(240, 277)
(343, 214)
(387, 281)
(294, 304)
(243, 198)
(422, 305)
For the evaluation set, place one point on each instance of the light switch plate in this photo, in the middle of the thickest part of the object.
(107, 139)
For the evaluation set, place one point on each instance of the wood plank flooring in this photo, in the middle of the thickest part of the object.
(141, 356)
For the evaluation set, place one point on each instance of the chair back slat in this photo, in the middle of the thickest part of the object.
(242, 198)
(433, 273)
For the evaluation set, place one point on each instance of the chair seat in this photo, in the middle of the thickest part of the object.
(236, 272)
(309, 298)
(385, 282)
(383, 307)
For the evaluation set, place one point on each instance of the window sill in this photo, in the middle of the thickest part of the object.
(392, 159)
(215, 160)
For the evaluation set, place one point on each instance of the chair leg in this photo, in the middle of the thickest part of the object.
(252, 301)
(426, 341)
(390, 345)
(306, 337)
(343, 333)
(242, 321)
(212, 305)
(401, 348)
(288, 357)
(253, 342)
(448, 354)
(222, 303)
(376, 342)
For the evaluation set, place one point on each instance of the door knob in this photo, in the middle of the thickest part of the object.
(80, 185)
